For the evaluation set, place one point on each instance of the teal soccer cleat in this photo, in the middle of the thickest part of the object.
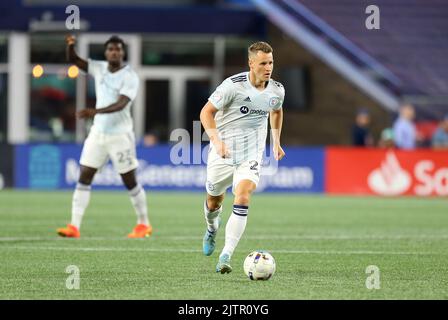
(223, 265)
(209, 242)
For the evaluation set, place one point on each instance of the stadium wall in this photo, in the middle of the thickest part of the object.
(57, 167)
(331, 170)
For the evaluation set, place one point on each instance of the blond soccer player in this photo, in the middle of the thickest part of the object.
(235, 119)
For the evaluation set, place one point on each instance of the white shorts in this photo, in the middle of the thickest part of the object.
(120, 148)
(221, 174)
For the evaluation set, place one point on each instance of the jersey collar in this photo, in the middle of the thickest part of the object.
(252, 86)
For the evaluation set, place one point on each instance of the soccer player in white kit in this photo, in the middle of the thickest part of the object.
(111, 135)
(235, 119)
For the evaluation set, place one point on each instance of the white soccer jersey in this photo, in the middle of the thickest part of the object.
(108, 87)
(243, 113)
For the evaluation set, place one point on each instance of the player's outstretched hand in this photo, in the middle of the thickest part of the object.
(278, 152)
(86, 113)
(70, 39)
(222, 149)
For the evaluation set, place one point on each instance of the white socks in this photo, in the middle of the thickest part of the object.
(211, 218)
(138, 200)
(81, 198)
(235, 228)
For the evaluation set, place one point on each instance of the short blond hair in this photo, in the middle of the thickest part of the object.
(259, 46)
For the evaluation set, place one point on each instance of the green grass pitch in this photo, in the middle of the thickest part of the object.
(322, 246)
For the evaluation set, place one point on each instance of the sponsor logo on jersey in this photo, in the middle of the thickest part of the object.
(244, 109)
(259, 112)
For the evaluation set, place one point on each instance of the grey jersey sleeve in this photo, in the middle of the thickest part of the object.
(280, 90)
(223, 95)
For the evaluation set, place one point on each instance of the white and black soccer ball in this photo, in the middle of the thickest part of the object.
(259, 265)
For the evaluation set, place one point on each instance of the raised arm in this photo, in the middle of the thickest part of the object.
(71, 54)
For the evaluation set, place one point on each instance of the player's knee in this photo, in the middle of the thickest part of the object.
(213, 203)
(213, 206)
(129, 180)
(86, 177)
(130, 183)
(242, 198)
(85, 181)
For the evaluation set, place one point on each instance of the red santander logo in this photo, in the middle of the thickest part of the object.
(390, 179)
(387, 173)
(426, 177)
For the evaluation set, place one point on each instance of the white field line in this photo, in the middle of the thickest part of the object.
(187, 250)
(247, 237)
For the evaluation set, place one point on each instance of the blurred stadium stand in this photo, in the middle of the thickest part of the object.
(403, 61)
(407, 55)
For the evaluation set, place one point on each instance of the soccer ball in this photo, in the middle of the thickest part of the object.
(259, 265)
